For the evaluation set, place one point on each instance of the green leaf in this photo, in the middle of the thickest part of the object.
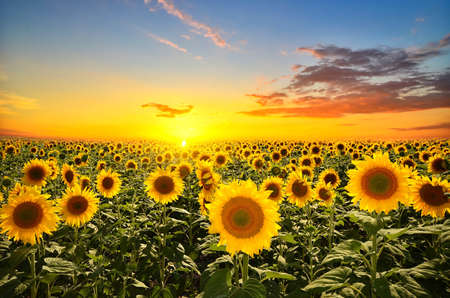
(252, 288)
(268, 274)
(391, 234)
(288, 237)
(424, 270)
(58, 265)
(138, 284)
(334, 278)
(382, 287)
(369, 223)
(346, 250)
(218, 284)
(17, 256)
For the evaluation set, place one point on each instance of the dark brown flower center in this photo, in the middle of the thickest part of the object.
(275, 190)
(439, 165)
(77, 205)
(28, 215)
(107, 183)
(36, 173)
(220, 159)
(330, 178)
(242, 217)
(164, 185)
(324, 194)
(299, 188)
(433, 195)
(69, 176)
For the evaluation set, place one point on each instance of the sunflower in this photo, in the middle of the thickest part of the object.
(244, 217)
(202, 201)
(108, 183)
(117, 158)
(377, 184)
(408, 163)
(101, 165)
(28, 215)
(78, 205)
(425, 156)
(324, 193)
(69, 175)
(163, 186)
(184, 169)
(53, 165)
(306, 161)
(438, 165)
(131, 165)
(208, 179)
(159, 158)
(85, 182)
(275, 186)
(330, 176)
(36, 172)
(431, 196)
(11, 150)
(258, 163)
(276, 156)
(220, 159)
(298, 189)
(306, 172)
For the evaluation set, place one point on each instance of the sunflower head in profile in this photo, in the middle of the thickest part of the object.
(298, 189)
(324, 193)
(275, 186)
(101, 165)
(85, 182)
(220, 159)
(54, 169)
(184, 170)
(164, 186)
(69, 175)
(244, 217)
(438, 164)
(431, 196)
(131, 165)
(208, 179)
(78, 205)
(378, 184)
(108, 183)
(330, 176)
(36, 172)
(28, 215)
(307, 172)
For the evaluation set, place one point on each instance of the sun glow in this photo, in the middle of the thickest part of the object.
(183, 143)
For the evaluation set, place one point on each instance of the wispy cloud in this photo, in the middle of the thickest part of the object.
(199, 28)
(167, 42)
(273, 99)
(444, 125)
(374, 80)
(167, 111)
(11, 102)
(420, 20)
(185, 36)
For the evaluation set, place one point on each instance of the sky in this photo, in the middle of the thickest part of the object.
(214, 70)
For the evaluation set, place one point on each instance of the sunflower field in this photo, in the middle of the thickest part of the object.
(232, 219)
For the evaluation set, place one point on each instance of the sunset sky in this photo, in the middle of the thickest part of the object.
(210, 70)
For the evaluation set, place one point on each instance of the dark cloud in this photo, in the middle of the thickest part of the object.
(273, 99)
(445, 125)
(167, 111)
(376, 80)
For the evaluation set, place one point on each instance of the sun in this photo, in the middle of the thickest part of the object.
(183, 143)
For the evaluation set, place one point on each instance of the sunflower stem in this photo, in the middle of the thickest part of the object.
(331, 227)
(374, 259)
(163, 258)
(244, 268)
(33, 274)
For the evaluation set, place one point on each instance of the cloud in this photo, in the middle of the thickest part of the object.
(198, 57)
(420, 20)
(445, 125)
(11, 102)
(283, 53)
(375, 80)
(296, 67)
(273, 99)
(185, 36)
(167, 42)
(167, 111)
(199, 28)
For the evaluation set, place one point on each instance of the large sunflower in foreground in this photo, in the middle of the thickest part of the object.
(108, 183)
(298, 189)
(78, 206)
(164, 186)
(431, 196)
(27, 216)
(36, 172)
(244, 217)
(378, 184)
(275, 186)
